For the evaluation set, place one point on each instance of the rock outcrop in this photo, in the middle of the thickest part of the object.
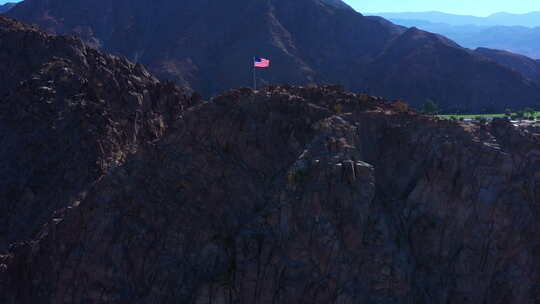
(117, 188)
(299, 195)
(208, 45)
(68, 115)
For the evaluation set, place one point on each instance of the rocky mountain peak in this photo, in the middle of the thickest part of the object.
(307, 41)
(68, 114)
(300, 177)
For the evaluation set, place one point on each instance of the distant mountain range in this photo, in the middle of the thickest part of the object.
(517, 39)
(207, 46)
(531, 19)
(6, 7)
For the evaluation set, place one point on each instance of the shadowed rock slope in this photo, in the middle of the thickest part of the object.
(455, 78)
(68, 115)
(525, 65)
(337, 3)
(298, 195)
(6, 7)
(208, 45)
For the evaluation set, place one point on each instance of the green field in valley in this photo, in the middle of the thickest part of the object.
(470, 116)
(487, 116)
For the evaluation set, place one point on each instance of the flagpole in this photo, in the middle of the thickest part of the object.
(254, 79)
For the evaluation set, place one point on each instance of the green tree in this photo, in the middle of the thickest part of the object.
(508, 112)
(530, 112)
(430, 107)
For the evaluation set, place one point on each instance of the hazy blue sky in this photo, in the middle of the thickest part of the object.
(469, 7)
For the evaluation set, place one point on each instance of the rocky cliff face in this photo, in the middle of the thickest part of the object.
(68, 115)
(298, 195)
(208, 45)
(117, 188)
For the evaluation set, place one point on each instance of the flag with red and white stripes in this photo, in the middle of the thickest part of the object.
(261, 62)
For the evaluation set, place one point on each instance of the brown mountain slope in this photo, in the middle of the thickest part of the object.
(208, 45)
(299, 195)
(337, 3)
(6, 7)
(527, 66)
(68, 115)
(419, 64)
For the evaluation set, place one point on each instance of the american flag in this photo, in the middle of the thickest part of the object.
(261, 62)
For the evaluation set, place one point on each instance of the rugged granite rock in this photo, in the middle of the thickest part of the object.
(299, 195)
(208, 45)
(117, 188)
(68, 115)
